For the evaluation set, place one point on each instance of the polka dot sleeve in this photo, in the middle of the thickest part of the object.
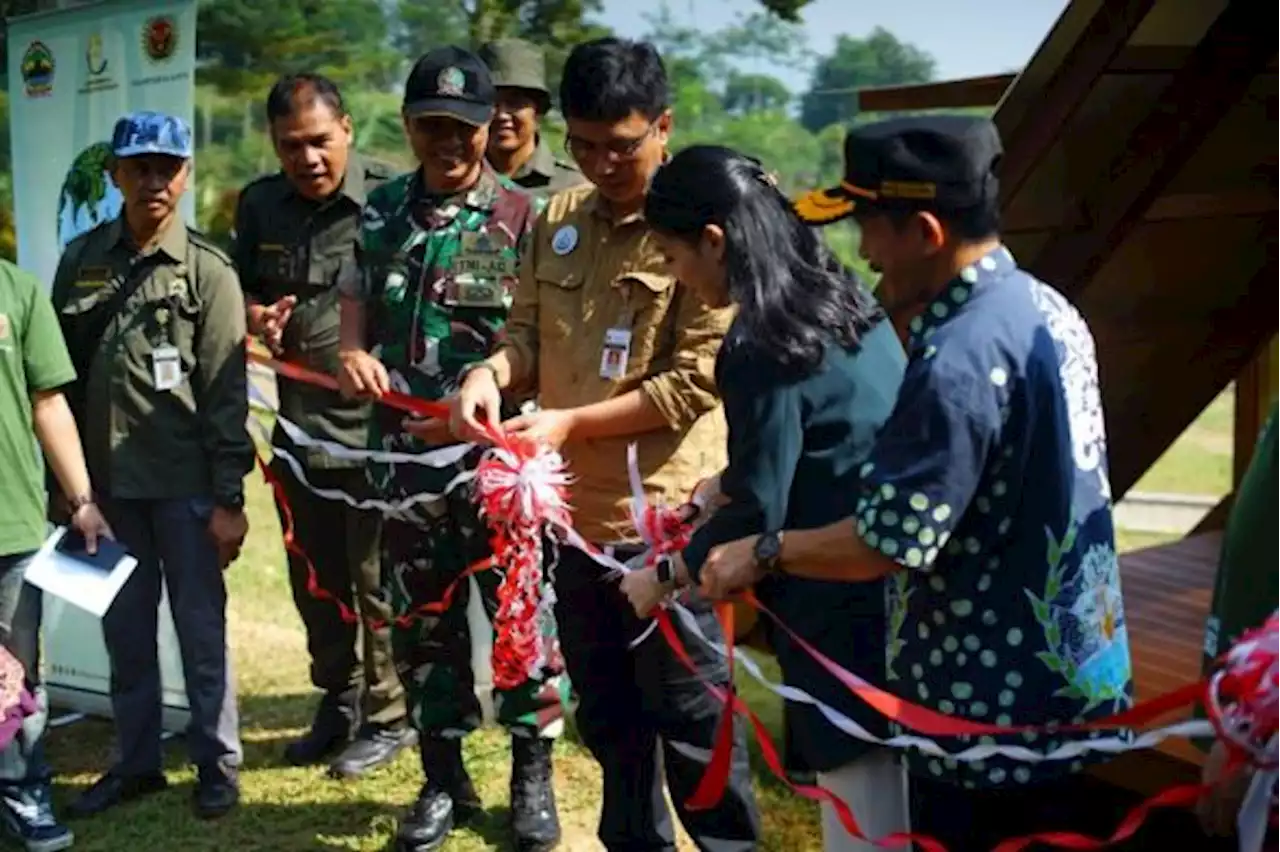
(926, 466)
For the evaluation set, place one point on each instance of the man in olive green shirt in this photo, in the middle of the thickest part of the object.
(1244, 595)
(297, 235)
(515, 147)
(154, 321)
(34, 365)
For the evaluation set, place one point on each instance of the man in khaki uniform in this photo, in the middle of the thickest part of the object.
(621, 353)
(516, 149)
(297, 234)
(154, 322)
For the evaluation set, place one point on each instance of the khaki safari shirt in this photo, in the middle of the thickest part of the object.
(544, 173)
(614, 277)
(288, 245)
(142, 442)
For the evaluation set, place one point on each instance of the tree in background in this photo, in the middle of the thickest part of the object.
(244, 45)
(880, 59)
(556, 25)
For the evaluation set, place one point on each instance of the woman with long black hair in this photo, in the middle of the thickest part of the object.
(807, 373)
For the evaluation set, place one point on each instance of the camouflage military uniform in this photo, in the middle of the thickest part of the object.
(438, 274)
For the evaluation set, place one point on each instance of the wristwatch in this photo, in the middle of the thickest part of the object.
(75, 504)
(477, 365)
(664, 570)
(768, 553)
(234, 502)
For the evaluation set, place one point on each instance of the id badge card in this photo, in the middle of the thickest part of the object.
(617, 348)
(166, 368)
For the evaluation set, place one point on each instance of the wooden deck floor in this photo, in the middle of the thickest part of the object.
(1167, 592)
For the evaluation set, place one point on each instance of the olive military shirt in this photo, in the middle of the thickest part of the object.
(545, 173)
(289, 245)
(582, 274)
(142, 442)
(33, 359)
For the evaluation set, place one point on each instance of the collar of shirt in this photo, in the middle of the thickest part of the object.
(173, 242)
(992, 266)
(600, 204)
(600, 208)
(542, 163)
(353, 185)
(436, 211)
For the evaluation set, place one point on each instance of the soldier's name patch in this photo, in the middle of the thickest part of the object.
(90, 277)
(481, 256)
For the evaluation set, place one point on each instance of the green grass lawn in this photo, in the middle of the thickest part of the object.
(286, 808)
(1199, 462)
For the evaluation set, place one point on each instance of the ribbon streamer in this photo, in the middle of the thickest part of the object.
(1241, 695)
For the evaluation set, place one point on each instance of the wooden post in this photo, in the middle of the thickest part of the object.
(1255, 392)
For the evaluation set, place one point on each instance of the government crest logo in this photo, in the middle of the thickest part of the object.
(37, 69)
(160, 38)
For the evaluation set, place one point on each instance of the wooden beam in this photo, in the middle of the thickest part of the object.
(1147, 413)
(1212, 81)
(1175, 208)
(950, 94)
(1255, 393)
(1216, 519)
(1102, 39)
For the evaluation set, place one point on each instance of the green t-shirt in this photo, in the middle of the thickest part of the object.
(1245, 591)
(33, 358)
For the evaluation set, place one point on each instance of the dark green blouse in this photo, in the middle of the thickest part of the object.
(795, 447)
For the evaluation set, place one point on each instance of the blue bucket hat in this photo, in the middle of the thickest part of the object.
(142, 133)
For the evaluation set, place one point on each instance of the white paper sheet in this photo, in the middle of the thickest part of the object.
(81, 583)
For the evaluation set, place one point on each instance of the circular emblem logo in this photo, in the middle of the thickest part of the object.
(451, 82)
(159, 38)
(565, 240)
(37, 69)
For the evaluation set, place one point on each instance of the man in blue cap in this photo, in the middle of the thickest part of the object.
(154, 320)
(985, 506)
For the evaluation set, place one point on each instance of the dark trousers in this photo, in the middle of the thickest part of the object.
(171, 542)
(632, 699)
(977, 820)
(22, 764)
(342, 542)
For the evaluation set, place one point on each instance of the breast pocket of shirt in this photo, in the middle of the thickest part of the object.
(171, 320)
(278, 267)
(647, 300)
(563, 314)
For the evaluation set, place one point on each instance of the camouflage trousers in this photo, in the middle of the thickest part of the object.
(421, 561)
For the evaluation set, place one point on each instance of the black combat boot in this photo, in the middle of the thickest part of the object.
(448, 798)
(535, 825)
(332, 729)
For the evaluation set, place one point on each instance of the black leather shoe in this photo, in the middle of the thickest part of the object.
(535, 824)
(216, 793)
(375, 746)
(112, 789)
(447, 800)
(331, 730)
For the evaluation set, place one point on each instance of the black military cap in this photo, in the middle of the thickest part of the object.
(934, 162)
(452, 82)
